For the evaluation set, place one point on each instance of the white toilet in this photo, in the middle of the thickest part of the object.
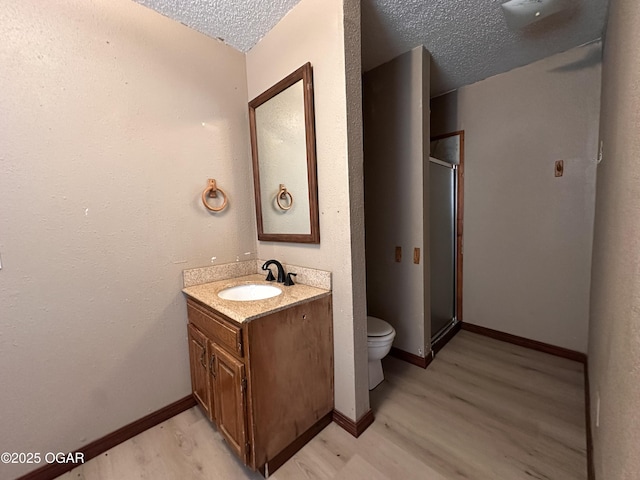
(380, 336)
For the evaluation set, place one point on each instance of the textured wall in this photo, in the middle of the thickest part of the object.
(113, 117)
(396, 137)
(353, 77)
(528, 234)
(614, 337)
(313, 31)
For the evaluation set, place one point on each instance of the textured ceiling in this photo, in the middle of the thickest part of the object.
(239, 23)
(468, 39)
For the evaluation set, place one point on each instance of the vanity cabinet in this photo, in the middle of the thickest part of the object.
(267, 384)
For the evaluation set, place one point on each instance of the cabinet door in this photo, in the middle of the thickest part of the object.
(199, 372)
(230, 400)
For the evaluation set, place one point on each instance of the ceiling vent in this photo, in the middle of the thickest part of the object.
(520, 13)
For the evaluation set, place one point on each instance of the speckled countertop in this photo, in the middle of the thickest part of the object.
(242, 312)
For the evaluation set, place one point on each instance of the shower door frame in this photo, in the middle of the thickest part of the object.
(459, 172)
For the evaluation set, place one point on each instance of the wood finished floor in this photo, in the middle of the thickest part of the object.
(483, 410)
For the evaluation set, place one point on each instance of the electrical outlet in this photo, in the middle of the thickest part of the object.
(398, 254)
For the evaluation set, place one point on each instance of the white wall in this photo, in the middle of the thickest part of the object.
(103, 155)
(314, 31)
(396, 133)
(528, 234)
(614, 337)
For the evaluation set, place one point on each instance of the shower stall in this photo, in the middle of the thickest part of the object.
(445, 240)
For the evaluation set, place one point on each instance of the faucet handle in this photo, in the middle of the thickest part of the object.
(270, 277)
(289, 281)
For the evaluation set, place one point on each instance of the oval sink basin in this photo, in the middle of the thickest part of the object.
(246, 293)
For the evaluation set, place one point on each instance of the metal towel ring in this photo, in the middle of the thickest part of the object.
(212, 191)
(282, 194)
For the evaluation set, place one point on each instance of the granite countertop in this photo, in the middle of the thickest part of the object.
(241, 312)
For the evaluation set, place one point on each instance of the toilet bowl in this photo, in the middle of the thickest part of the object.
(380, 336)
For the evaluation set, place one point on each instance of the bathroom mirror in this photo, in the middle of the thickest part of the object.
(283, 147)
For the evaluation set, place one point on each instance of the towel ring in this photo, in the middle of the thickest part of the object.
(282, 195)
(212, 191)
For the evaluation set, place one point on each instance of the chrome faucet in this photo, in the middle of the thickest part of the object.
(270, 277)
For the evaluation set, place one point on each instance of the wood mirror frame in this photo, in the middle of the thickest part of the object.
(304, 74)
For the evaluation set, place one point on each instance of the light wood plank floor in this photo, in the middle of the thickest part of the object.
(483, 410)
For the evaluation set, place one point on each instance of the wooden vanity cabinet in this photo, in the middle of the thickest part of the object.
(266, 384)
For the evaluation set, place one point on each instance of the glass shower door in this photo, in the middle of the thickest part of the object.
(442, 223)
